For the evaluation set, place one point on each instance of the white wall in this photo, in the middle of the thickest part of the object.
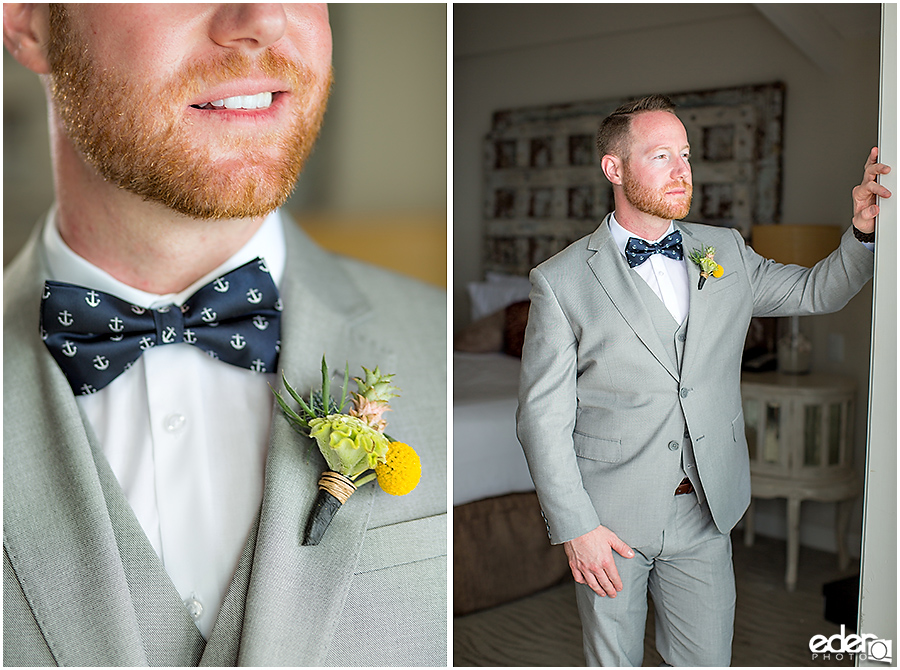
(878, 579)
(384, 142)
(507, 56)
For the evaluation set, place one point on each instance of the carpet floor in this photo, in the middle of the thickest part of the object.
(772, 626)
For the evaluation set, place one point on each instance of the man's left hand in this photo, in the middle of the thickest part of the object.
(864, 208)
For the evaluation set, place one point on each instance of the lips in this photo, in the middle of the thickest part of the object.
(678, 188)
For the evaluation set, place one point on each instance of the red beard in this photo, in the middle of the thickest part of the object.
(136, 136)
(656, 202)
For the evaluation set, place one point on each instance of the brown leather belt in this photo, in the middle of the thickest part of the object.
(684, 487)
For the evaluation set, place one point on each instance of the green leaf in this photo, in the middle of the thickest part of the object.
(297, 398)
(292, 416)
(326, 386)
(344, 387)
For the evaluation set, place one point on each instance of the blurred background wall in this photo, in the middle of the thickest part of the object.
(513, 55)
(376, 185)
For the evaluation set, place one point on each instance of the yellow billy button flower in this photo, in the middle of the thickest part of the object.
(718, 272)
(401, 470)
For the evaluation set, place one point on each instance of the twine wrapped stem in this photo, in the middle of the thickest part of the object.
(337, 485)
(334, 490)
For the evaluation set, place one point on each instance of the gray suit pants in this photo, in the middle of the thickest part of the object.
(689, 574)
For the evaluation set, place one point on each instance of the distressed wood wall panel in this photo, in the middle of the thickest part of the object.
(544, 188)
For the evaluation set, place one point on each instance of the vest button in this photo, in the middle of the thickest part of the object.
(682, 337)
(673, 446)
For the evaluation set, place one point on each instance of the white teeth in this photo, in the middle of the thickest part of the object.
(258, 101)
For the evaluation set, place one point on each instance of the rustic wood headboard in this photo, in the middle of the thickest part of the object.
(544, 188)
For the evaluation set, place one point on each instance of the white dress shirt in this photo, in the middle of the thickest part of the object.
(667, 277)
(185, 435)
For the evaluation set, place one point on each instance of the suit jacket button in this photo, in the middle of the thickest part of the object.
(673, 446)
(684, 393)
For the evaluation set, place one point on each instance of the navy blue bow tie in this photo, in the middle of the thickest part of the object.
(638, 250)
(95, 336)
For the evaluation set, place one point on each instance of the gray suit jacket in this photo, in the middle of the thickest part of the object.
(81, 584)
(601, 401)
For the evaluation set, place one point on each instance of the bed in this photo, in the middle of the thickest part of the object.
(500, 547)
(487, 458)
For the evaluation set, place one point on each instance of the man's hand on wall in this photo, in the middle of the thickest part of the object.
(864, 208)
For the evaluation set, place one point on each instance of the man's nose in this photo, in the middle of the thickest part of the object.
(681, 169)
(250, 26)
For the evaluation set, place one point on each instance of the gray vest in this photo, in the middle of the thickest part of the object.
(673, 336)
(169, 635)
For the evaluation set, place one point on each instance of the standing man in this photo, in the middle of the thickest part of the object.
(153, 508)
(629, 402)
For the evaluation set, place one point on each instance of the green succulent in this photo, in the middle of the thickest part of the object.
(348, 444)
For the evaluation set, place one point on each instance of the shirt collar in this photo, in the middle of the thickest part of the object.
(67, 266)
(620, 235)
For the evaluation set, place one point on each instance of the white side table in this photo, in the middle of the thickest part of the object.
(800, 436)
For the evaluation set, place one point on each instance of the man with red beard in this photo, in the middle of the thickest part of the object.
(629, 401)
(153, 499)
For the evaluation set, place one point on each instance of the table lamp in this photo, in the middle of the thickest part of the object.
(802, 245)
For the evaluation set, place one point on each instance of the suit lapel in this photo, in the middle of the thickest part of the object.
(57, 529)
(296, 593)
(699, 300)
(617, 279)
(224, 642)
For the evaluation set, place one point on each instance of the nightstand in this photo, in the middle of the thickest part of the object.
(800, 437)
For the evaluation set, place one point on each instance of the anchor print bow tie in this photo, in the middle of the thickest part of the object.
(638, 250)
(95, 337)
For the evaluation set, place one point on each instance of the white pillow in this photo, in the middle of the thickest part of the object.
(496, 293)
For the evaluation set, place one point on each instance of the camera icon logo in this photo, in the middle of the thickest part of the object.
(880, 650)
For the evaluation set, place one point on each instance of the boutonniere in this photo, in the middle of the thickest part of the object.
(706, 259)
(353, 443)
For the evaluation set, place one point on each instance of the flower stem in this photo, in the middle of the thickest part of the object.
(365, 480)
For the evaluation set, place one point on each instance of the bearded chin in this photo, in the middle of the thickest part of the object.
(654, 202)
(169, 169)
(152, 152)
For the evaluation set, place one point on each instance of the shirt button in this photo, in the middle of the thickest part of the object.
(194, 607)
(673, 446)
(174, 422)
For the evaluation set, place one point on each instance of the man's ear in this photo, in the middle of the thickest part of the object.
(612, 168)
(25, 31)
